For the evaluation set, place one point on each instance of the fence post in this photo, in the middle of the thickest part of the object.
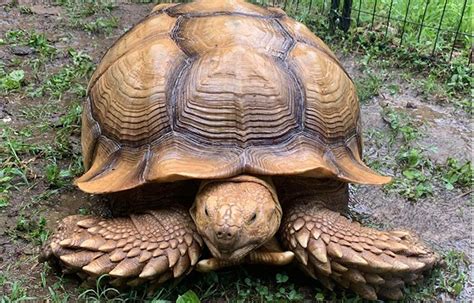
(346, 15)
(439, 27)
(404, 22)
(457, 30)
(423, 20)
(358, 12)
(333, 15)
(310, 6)
(388, 18)
(373, 15)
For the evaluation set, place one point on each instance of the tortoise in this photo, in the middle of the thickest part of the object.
(228, 130)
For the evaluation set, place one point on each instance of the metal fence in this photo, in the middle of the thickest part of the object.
(423, 23)
(434, 28)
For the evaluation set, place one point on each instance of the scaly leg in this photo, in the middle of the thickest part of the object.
(155, 245)
(332, 249)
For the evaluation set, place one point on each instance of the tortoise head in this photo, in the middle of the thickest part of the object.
(237, 215)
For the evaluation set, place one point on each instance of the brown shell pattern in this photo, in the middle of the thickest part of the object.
(214, 89)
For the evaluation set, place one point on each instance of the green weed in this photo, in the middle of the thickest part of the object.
(13, 170)
(101, 293)
(188, 297)
(368, 86)
(415, 14)
(100, 25)
(11, 81)
(56, 176)
(67, 79)
(19, 156)
(19, 149)
(460, 78)
(456, 174)
(7, 177)
(416, 170)
(40, 43)
(450, 277)
(37, 41)
(32, 229)
(87, 9)
(78, 16)
(25, 10)
(57, 297)
(401, 125)
(452, 79)
(235, 286)
(284, 292)
(14, 292)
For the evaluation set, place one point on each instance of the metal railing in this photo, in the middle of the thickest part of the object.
(410, 20)
(408, 23)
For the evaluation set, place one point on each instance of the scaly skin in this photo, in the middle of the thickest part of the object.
(155, 245)
(237, 219)
(333, 249)
(158, 244)
(328, 246)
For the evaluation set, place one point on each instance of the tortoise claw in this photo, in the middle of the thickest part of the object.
(370, 262)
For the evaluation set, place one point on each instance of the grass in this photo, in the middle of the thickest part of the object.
(422, 41)
(33, 39)
(457, 174)
(415, 173)
(414, 13)
(401, 126)
(79, 16)
(450, 277)
(99, 25)
(368, 86)
(66, 79)
(12, 81)
(20, 153)
(236, 285)
(31, 228)
(246, 284)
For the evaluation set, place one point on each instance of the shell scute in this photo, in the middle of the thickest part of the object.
(213, 89)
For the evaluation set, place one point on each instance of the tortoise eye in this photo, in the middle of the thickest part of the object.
(254, 217)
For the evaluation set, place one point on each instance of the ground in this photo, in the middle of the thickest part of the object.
(417, 128)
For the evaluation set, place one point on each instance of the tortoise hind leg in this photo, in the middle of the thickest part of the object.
(155, 245)
(332, 249)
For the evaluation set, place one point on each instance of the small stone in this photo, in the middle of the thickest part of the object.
(21, 50)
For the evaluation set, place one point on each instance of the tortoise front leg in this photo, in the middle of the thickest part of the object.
(332, 249)
(155, 245)
(269, 253)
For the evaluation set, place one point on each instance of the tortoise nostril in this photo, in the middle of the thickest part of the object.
(225, 233)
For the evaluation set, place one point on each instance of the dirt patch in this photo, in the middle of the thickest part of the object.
(443, 219)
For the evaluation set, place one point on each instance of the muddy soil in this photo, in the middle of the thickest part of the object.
(444, 219)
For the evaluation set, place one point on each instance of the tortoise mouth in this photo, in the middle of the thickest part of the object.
(231, 254)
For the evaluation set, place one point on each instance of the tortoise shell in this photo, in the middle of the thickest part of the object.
(214, 89)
